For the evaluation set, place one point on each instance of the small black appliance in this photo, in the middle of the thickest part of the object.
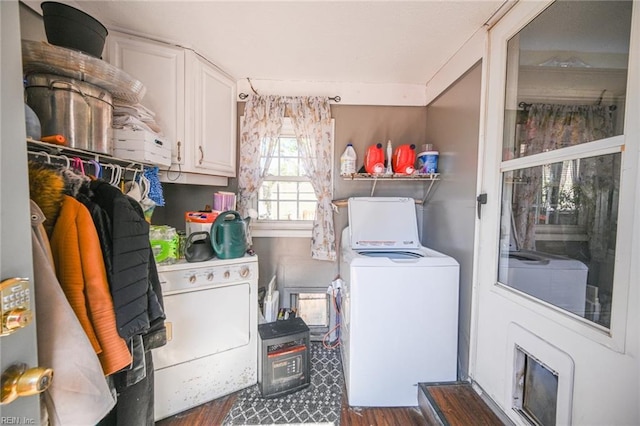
(284, 358)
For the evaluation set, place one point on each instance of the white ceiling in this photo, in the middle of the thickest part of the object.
(403, 42)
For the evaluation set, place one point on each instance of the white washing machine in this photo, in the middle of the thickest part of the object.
(558, 280)
(399, 306)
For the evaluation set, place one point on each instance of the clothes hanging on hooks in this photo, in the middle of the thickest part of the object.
(137, 297)
(155, 187)
(79, 266)
(138, 316)
(63, 344)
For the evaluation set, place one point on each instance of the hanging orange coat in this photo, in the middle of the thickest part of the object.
(81, 272)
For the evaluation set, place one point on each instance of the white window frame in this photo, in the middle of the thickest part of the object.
(288, 228)
(613, 337)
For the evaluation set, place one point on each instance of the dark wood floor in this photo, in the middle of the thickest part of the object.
(214, 412)
(455, 404)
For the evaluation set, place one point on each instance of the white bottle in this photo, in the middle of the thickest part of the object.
(389, 170)
(348, 161)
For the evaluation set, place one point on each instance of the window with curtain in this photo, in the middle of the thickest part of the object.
(286, 194)
(286, 160)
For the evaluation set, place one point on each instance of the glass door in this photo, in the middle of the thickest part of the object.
(555, 260)
(562, 153)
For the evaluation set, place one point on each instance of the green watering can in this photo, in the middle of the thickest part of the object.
(229, 235)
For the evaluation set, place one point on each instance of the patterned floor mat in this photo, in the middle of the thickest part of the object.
(320, 402)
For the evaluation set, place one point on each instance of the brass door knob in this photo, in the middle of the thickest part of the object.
(19, 381)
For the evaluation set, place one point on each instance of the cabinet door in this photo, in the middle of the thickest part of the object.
(214, 119)
(160, 67)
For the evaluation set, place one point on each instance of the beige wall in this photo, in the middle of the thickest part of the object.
(288, 257)
(31, 25)
(453, 122)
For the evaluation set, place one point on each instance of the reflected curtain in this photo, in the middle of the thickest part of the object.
(311, 119)
(259, 131)
(550, 127)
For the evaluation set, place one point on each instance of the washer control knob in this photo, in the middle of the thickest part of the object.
(244, 272)
(227, 274)
(192, 279)
(210, 276)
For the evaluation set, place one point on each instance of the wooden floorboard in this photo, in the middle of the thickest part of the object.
(213, 413)
(457, 404)
(374, 416)
(209, 414)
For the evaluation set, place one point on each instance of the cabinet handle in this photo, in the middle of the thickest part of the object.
(201, 154)
(179, 157)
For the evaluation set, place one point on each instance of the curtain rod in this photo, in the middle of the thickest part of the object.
(525, 106)
(244, 96)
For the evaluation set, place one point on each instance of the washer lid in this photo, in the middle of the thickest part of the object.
(383, 223)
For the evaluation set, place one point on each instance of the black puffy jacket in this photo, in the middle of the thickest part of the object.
(131, 269)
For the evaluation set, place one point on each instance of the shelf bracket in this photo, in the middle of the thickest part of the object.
(373, 187)
(426, 195)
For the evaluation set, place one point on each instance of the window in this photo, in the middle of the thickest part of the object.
(286, 202)
(563, 158)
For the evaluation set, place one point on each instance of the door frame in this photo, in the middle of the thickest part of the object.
(15, 226)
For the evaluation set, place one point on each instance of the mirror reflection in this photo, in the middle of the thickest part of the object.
(566, 87)
(559, 226)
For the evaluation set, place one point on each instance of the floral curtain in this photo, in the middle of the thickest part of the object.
(259, 132)
(261, 126)
(311, 118)
(550, 127)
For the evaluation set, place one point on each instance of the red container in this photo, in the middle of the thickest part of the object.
(374, 159)
(404, 158)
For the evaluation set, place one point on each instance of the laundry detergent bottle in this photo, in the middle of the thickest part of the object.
(404, 158)
(348, 161)
(374, 159)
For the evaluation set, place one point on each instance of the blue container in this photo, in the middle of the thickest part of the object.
(428, 162)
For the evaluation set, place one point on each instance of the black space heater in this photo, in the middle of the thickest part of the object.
(284, 359)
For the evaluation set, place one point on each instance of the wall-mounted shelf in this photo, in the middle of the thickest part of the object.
(51, 149)
(431, 177)
(396, 176)
(100, 165)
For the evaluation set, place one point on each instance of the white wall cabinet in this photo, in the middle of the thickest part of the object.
(194, 105)
(160, 67)
(212, 107)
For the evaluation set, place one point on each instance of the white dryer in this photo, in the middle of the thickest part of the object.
(399, 306)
